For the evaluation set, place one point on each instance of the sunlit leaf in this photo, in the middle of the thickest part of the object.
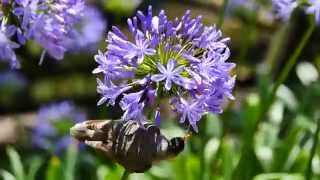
(7, 175)
(34, 167)
(279, 176)
(54, 171)
(16, 164)
(307, 73)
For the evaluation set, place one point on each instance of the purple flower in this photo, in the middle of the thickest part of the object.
(157, 117)
(131, 52)
(90, 30)
(49, 23)
(284, 8)
(171, 74)
(7, 46)
(314, 8)
(112, 67)
(110, 92)
(132, 107)
(12, 78)
(167, 59)
(51, 131)
(191, 111)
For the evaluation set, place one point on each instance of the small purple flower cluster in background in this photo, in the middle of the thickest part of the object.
(12, 78)
(182, 59)
(239, 4)
(284, 8)
(50, 23)
(51, 131)
(46, 22)
(88, 31)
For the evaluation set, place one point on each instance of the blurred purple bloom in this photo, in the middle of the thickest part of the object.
(234, 5)
(12, 78)
(51, 131)
(174, 59)
(7, 46)
(89, 32)
(314, 8)
(49, 23)
(284, 8)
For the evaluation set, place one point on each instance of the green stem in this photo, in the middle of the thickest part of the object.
(293, 59)
(313, 151)
(43, 54)
(204, 140)
(125, 175)
(222, 12)
(279, 40)
(71, 161)
(285, 72)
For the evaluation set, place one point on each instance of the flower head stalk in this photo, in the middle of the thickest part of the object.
(51, 131)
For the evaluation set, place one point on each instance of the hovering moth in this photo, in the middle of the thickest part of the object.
(133, 145)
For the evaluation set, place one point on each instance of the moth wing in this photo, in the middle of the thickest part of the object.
(106, 147)
(100, 124)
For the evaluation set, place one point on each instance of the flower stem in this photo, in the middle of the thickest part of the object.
(125, 175)
(308, 174)
(293, 59)
(43, 54)
(286, 70)
(222, 12)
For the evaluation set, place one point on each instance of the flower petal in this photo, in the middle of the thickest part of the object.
(158, 77)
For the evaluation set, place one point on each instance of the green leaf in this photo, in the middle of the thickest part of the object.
(249, 165)
(279, 176)
(283, 151)
(70, 165)
(102, 172)
(115, 173)
(210, 150)
(300, 162)
(54, 170)
(193, 167)
(227, 159)
(35, 166)
(16, 164)
(7, 175)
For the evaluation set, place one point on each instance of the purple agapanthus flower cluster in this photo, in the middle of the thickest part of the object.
(284, 8)
(51, 131)
(89, 31)
(12, 78)
(47, 22)
(182, 59)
